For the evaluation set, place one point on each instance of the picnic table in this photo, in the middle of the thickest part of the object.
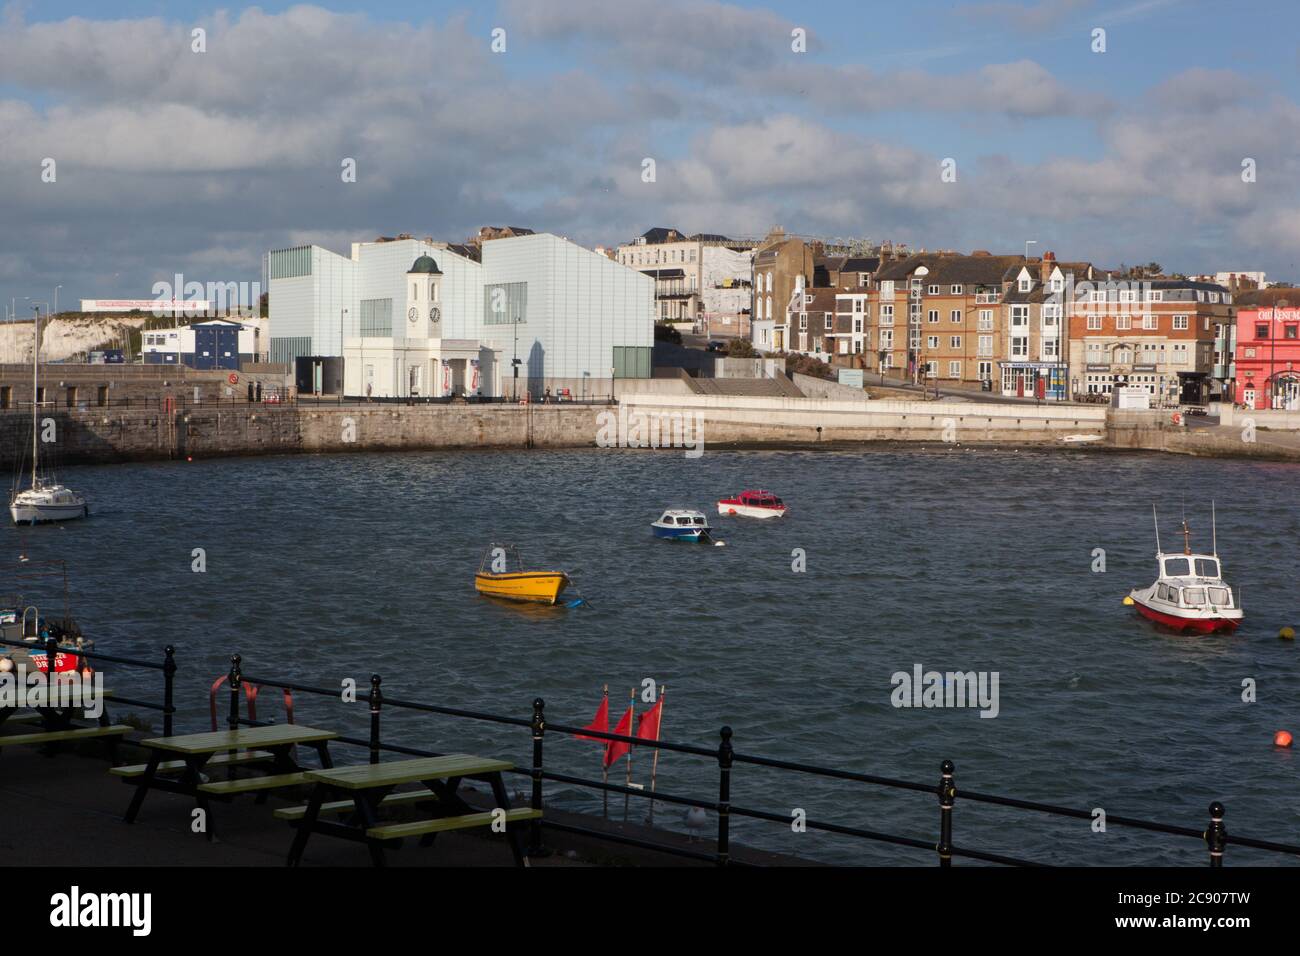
(268, 748)
(56, 725)
(369, 787)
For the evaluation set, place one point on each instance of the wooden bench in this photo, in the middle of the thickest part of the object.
(175, 766)
(228, 788)
(396, 831)
(60, 736)
(343, 806)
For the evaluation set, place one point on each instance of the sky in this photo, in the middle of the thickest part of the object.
(1120, 147)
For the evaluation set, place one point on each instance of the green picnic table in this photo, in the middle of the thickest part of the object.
(196, 750)
(369, 787)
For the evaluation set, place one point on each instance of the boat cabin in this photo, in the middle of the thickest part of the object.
(1192, 580)
(684, 519)
(761, 499)
(1203, 566)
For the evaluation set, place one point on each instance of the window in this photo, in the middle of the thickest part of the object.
(1123, 322)
(1290, 332)
(1177, 567)
(1180, 321)
(955, 316)
(1207, 568)
(803, 320)
(1019, 347)
(1050, 347)
(954, 369)
(1094, 322)
(886, 315)
(1194, 596)
(1150, 322)
(1261, 331)
(985, 345)
(1019, 316)
(933, 315)
(857, 324)
(956, 290)
(986, 320)
(934, 290)
(886, 340)
(932, 341)
(1025, 284)
(830, 321)
(955, 342)
(415, 290)
(1155, 296)
(985, 369)
(1051, 315)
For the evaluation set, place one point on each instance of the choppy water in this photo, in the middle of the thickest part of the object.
(321, 568)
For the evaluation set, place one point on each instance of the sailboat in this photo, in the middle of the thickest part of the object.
(46, 499)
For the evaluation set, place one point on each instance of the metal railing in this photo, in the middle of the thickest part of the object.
(52, 648)
(1215, 835)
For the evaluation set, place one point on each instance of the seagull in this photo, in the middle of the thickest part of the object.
(696, 819)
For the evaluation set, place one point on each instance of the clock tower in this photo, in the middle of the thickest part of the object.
(423, 315)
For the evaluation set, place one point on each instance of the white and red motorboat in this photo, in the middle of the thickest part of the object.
(752, 504)
(1190, 593)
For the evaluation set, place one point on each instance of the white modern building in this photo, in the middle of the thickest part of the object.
(203, 345)
(413, 317)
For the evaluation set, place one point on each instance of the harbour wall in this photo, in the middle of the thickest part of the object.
(139, 434)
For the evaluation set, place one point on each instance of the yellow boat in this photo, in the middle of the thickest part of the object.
(496, 579)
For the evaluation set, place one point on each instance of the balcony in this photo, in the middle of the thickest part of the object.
(988, 298)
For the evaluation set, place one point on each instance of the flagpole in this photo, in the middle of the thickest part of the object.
(631, 731)
(604, 768)
(654, 766)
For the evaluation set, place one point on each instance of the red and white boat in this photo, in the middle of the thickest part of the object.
(1190, 593)
(752, 504)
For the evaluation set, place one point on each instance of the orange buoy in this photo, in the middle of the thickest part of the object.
(1282, 739)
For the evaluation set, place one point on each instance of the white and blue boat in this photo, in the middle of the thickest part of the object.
(682, 525)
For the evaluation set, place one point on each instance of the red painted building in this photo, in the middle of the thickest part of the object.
(1268, 349)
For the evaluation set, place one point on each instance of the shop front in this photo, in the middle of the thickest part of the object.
(1033, 380)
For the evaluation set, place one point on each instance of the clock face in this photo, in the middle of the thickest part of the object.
(434, 314)
(413, 314)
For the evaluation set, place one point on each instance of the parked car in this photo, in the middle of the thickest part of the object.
(716, 346)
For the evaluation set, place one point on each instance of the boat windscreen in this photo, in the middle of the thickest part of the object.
(1219, 597)
(1194, 595)
(1207, 568)
(698, 520)
(1177, 567)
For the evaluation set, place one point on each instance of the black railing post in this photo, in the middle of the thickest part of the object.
(947, 795)
(1216, 837)
(169, 682)
(725, 756)
(376, 702)
(51, 652)
(236, 679)
(539, 730)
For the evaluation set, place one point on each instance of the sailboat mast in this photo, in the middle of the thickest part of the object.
(1156, 521)
(1214, 530)
(36, 352)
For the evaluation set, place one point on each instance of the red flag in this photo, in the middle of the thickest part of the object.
(647, 728)
(599, 723)
(618, 748)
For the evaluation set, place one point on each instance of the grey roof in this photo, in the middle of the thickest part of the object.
(950, 270)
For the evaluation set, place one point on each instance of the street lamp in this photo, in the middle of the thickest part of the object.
(342, 366)
(56, 298)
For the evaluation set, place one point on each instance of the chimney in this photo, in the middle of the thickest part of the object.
(1048, 264)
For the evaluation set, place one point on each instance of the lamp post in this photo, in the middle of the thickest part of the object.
(1272, 360)
(342, 365)
(56, 298)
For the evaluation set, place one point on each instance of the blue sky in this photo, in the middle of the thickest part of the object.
(174, 162)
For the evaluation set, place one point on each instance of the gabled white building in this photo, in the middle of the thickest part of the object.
(417, 318)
